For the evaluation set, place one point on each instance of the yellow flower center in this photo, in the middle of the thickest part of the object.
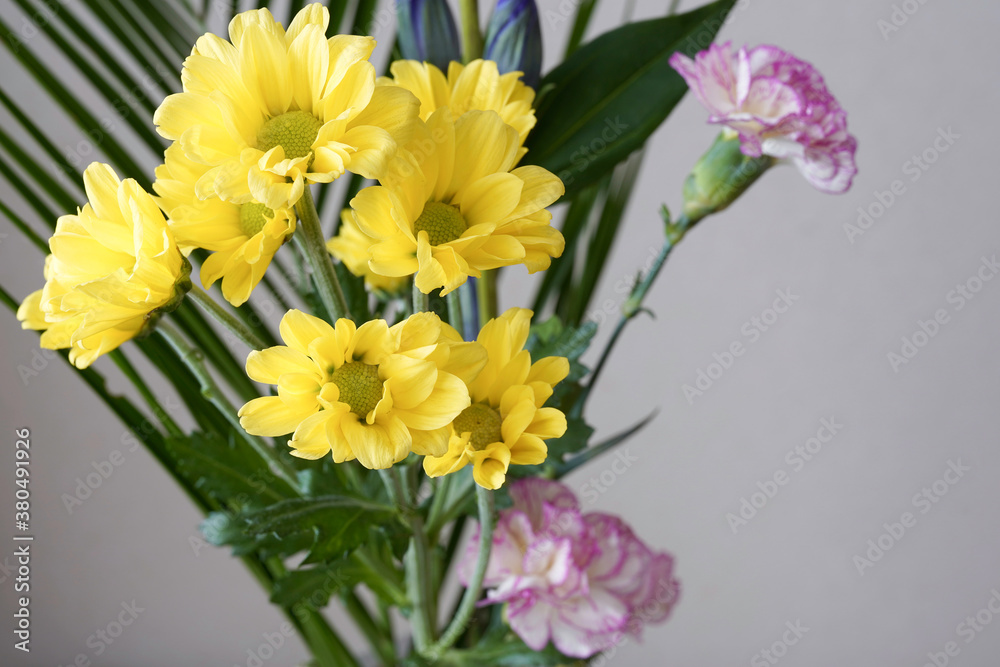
(443, 223)
(360, 386)
(294, 131)
(483, 422)
(253, 217)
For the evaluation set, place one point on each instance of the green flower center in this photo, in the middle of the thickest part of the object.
(360, 386)
(253, 217)
(294, 131)
(443, 223)
(483, 422)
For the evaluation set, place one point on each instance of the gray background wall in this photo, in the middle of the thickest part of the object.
(826, 358)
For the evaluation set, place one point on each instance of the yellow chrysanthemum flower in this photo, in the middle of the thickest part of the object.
(478, 86)
(374, 392)
(453, 205)
(242, 237)
(271, 110)
(506, 423)
(351, 246)
(114, 269)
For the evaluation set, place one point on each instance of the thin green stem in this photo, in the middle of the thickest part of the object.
(210, 390)
(470, 309)
(438, 500)
(472, 37)
(129, 370)
(455, 312)
(240, 330)
(312, 243)
(327, 647)
(388, 574)
(369, 628)
(633, 305)
(419, 579)
(421, 301)
(475, 587)
(205, 337)
(487, 293)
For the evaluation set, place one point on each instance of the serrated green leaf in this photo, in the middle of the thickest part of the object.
(231, 472)
(552, 338)
(327, 526)
(316, 584)
(609, 96)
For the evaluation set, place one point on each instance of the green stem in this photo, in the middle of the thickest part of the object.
(455, 312)
(224, 318)
(389, 575)
(417, 566)
(633, 305)
(470, 310)
(421, 301)
(487, 293)
(194, 324)
(193, 359)
(362, 617)
(312, 243)
(474, 589)
(326, 646)
(441, 492)
(129, 370)
(472, 37)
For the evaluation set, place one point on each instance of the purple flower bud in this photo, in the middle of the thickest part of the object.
(427, 32)
(514, 39)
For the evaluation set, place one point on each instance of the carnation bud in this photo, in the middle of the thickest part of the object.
(514, 39)
(427, 32)
(721, 175)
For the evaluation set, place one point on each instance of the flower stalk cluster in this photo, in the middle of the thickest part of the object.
(399, 390)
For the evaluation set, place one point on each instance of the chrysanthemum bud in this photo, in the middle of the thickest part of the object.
(514, 39)
(427, 32)
(721, 175)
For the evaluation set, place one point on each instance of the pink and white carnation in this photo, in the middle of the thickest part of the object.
(779, 106)
(581, 581)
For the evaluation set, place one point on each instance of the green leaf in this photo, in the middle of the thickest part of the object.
(602, 448)
(603, 238)
(577, 436)
(508, 651)
(24, 228)
(354, 292)
(125, 162)
(607, 98)
(552, 339)
(583, 13)
(231, 472)
(315, 584)
(318, 583)
(556, 281)
(328, 526)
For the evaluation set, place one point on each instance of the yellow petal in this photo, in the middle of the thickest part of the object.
(270, 416)
(377, 446)
(265, 69)
(268, 365)
(299, 329)
(313, 14)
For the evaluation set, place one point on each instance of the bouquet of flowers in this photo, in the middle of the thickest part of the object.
(365, 421)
